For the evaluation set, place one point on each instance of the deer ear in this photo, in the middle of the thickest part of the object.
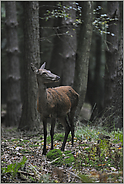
(43, 66)
(34, 69)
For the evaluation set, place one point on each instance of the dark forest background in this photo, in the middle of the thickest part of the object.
(81, 41)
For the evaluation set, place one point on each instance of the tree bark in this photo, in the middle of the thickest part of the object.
(64, 47)
(30, 118)
(111, 52)
(56, 56)
(69, 44)
(46, 31)
(83, 52)
(13, 76)
(96, 93)
(118, 92)
(113, 70)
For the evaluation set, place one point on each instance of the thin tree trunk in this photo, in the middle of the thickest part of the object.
(30, 117)
(83, 52)
(113, 70)
(69, 44)
(13, 76)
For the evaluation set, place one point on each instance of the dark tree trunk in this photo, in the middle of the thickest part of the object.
(46, 31)
(97, 87)
(56, 57)
(118, 92)
(69, 44)
(30, 117)
(113, 63)
(13, 75)
(83, 52)
(96, 93)
(64, 47)
(111, 52)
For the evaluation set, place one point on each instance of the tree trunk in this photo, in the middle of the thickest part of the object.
(111, 52)
(64, 47)
(13, 76)
(83, 52)
(46, 31)
(69, 44)
(56, 56)
(118, 92)
(30, 117)
(96, 93)
(113, 70)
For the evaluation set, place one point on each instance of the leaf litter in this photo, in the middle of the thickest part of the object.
(88, 161)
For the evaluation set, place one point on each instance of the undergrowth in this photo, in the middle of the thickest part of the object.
(94, 148)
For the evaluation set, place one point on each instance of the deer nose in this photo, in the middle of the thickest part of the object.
(57, 77)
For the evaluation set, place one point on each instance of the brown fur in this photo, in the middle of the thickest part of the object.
(60, 101)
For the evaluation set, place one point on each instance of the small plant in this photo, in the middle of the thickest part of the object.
(85, 179)
(13, 168)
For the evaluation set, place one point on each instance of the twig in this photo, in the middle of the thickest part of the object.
(37, 172)
(53, 160)
(73, 174)
(26, 173)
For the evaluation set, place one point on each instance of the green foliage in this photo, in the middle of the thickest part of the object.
(118, 136)
(58, 158)
(99, 153)
(101, 22)
(48, 139)
(60, 137)
(25, 151)
(13, 168)
(86, 132)
(85, 179)
(14, 140)
(63, 12)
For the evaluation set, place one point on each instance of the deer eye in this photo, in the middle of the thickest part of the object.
(44, 74)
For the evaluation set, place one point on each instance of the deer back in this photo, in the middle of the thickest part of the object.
(58, 102)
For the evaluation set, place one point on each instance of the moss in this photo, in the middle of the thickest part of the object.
(53, 154)
(65, 158)
(69, 158)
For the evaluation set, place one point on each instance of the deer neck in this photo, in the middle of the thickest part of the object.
(42, 96)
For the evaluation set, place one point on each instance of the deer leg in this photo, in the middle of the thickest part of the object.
(67, 130)
(52, 131)
(71, 120)
(45, 135)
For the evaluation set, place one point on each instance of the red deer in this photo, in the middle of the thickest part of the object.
(59, 102)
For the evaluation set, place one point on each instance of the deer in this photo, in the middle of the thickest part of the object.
(56, 103)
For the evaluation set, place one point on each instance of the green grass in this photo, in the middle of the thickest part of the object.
(86, 132)
(99, 153)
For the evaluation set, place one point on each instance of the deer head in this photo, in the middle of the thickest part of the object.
(44, 76)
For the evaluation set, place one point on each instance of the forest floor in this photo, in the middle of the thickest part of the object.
(97, 156)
